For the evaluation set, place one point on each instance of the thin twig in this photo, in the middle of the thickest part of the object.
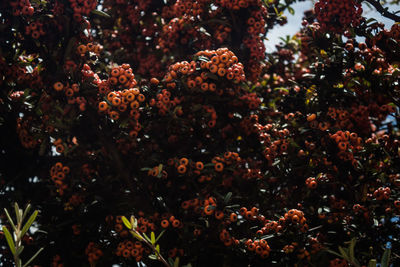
(383, 11)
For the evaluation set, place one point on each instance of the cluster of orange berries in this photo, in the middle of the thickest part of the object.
(89, 47)
(237, 4)
(22, 7)
(210, 206)
(227, 239)
(311, 183)
(173, 252)
(190, 7)
(347, 143)
(118, 226)
(181, 29)
(295, 217)
(26, 139)
(170, 220)
(290, 248)
(222, 62)
(338, 263)
(67, 89)
(121, 77)
(222, 32)
(93, 252)
(382, 193)
(251, 214)
(252, 173)
(58, 143)
(227, 159)
(260, 247)
(128, 249)
(58, 172)
(338, 15)
(118, 101)
(35, 29)
(213, 115)
(82, 8)
(155, 172)
(254, 42)
(252, 100)
(164, 103)
(183, 164)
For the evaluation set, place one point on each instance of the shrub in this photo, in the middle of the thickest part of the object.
(162, 132)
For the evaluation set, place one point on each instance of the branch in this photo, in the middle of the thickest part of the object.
(383, 11)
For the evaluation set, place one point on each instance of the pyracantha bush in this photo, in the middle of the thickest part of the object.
(172, 112)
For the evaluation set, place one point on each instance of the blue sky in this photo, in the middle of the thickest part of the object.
(294, 23)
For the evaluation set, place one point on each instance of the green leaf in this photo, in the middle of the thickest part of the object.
(372, 263)
(227, 197)
(101, 13)
(126, 222)
(344, 252)
(135, 235)
(159, 236)
(158, 249)
(9, 239)
(176, 262)
(152, 238)
(18, 213)
(33, 257)
(153, 257)
(19, 250)
(291, 10)
(27, 209)
(29, 222)
(351, 249)
(385, 258)
(146, 237)
(10, 220)
(333, 252)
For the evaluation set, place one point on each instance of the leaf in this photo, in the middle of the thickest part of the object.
(146, 237)
(101, 13)
(351, 249)
(29, 222)
(282, 89)
(10, 220)
(126, 222)
(33, 257)
(18, 213)
(291, 10)
(385, 258)
(227, 197)
(159, 236)
(158, 249)
(135, 235)
(9, 239)
(344, 252)
(152, 238)
(176, 262)
(202, 58)
(153, 257)
(19, 250)
(333, 252)
(372, 263)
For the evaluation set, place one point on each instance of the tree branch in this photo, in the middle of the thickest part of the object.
(383, 11)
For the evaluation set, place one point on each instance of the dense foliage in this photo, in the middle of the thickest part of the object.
(173, 112)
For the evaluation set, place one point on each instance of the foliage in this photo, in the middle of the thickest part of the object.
(173, 112)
